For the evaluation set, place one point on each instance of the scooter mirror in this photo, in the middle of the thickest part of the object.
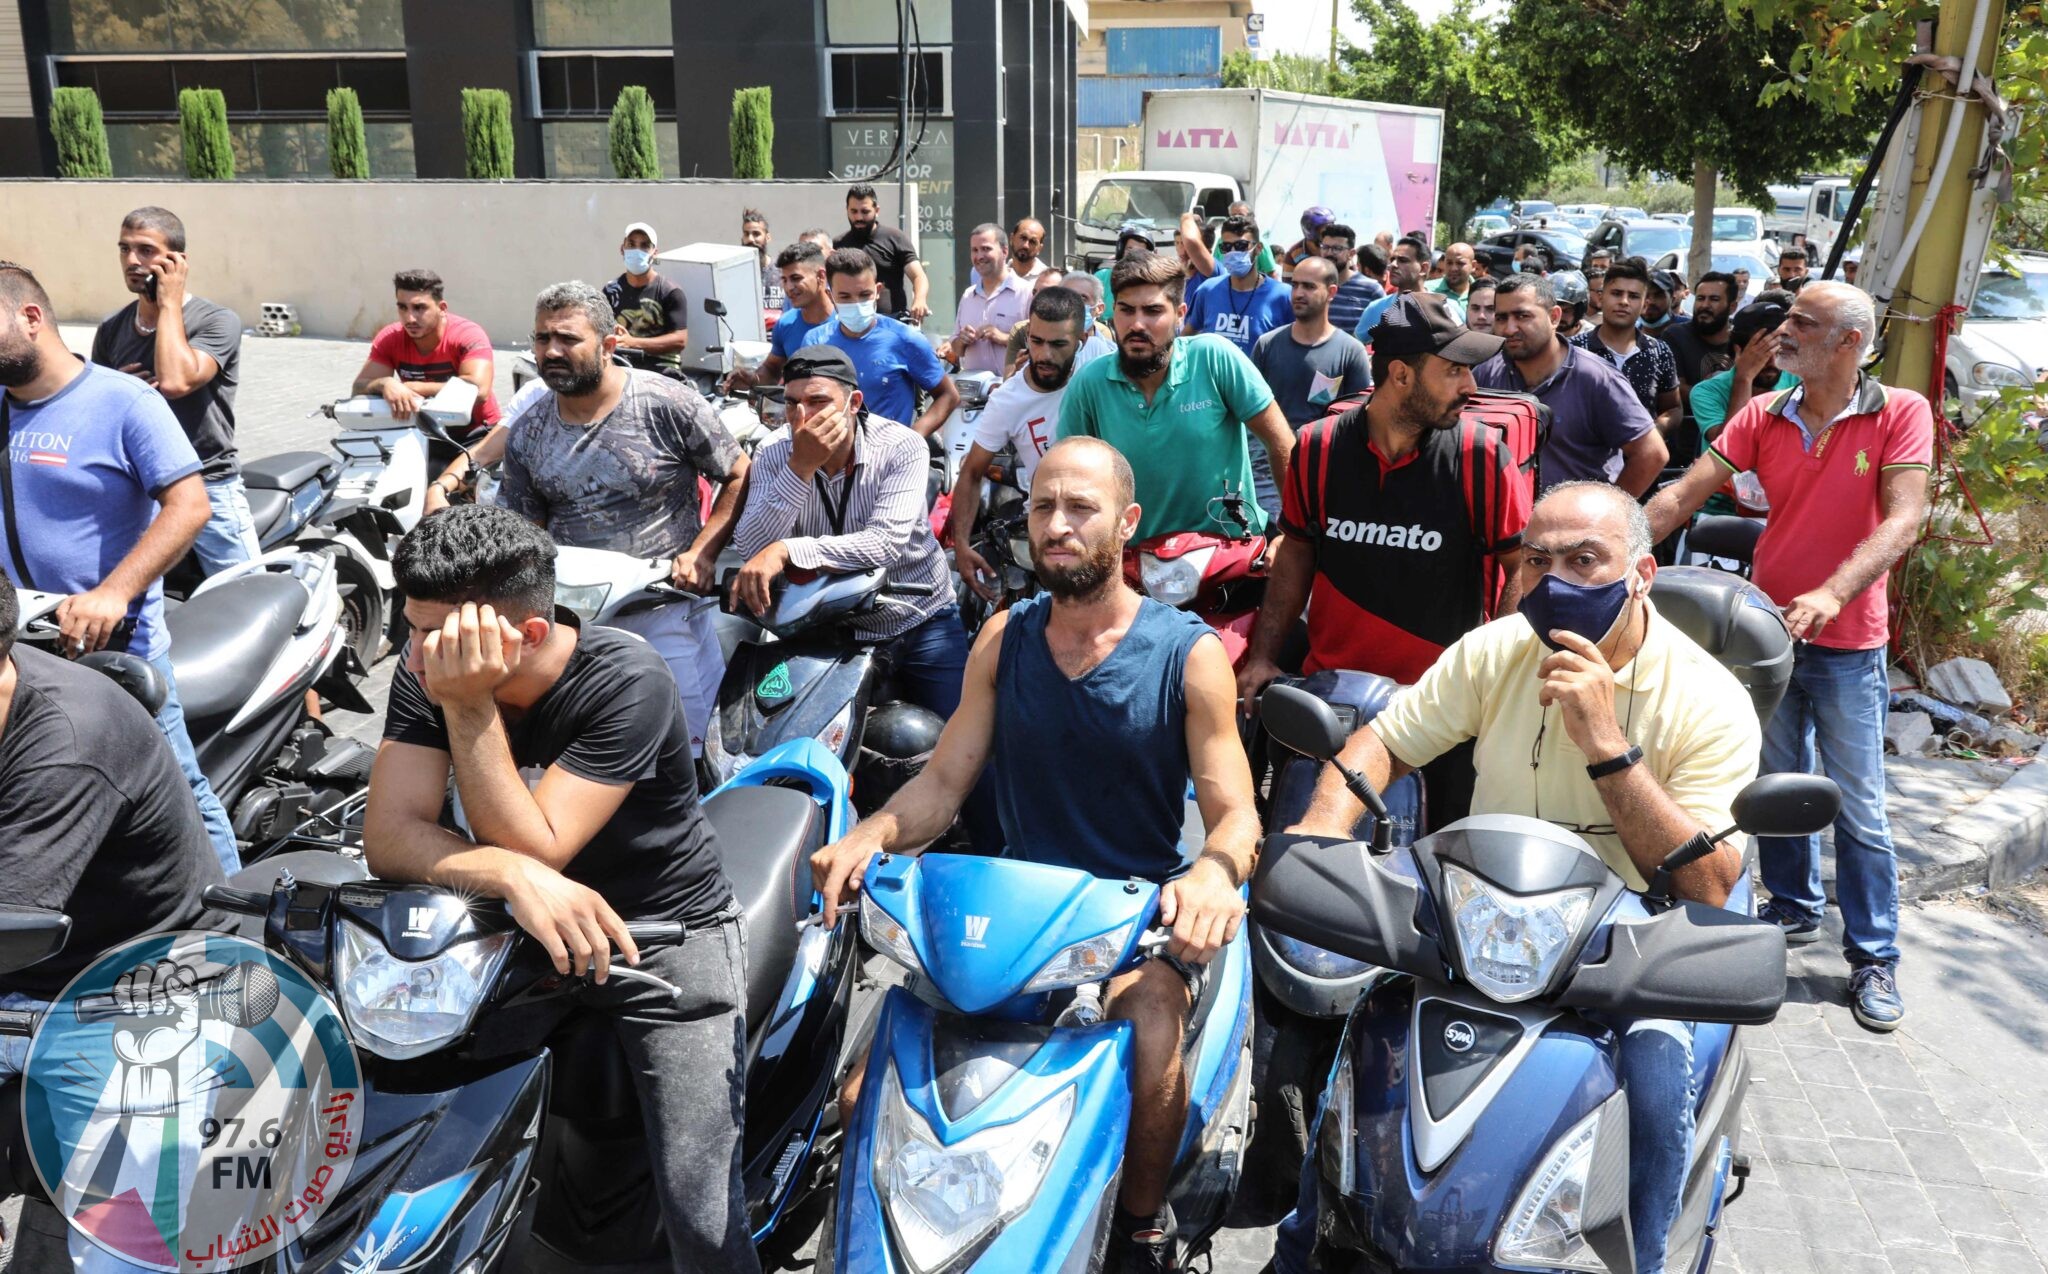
(434, 429)
(29, 935)
(1300, 722)
(1787, 805)
(137, 676)
(714, 306)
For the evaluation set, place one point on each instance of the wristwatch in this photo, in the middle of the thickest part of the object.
(1615, 765)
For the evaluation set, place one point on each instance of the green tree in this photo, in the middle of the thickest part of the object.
(487, 133)
(631, 136)
(203, 124)
(1288, 72)
(1496, 140)
(348, 147)
(1677, 86)
(753, 134)
(81, 133)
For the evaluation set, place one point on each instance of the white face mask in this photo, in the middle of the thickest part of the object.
(638, 260)
(856, 316)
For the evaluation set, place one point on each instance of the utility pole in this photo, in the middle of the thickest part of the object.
(1946, 248)
(1332, 86)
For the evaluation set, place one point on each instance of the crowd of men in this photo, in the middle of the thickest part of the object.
(1210, 385)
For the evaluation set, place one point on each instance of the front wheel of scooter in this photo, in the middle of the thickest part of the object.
(823, 1263)
(363, 617)
(1291, 1058)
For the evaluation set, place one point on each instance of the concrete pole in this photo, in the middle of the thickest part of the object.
(1930, 277)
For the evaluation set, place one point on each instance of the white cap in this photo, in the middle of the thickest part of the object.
(643, 228)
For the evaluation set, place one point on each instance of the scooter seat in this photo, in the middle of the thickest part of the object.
(766, 836)
(267, 508)
(223, 641)
(285, 471)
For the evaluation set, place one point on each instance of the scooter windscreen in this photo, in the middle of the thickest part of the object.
(818, 600)
(987, 931)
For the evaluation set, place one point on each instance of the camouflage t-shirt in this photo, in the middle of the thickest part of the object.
(627, 483)
(654, 310)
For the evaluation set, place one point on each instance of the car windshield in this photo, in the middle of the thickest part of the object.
(1653, 241)
(1579, 220)
(1564, 243)
(2009, 297)
(1537, 207)
(1115, 202)
(1738, 225)
(1730, 262)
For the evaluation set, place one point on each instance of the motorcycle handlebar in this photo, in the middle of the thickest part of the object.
(656, 929)
(245, 902)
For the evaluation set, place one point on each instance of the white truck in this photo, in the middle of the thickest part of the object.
(1374, 165)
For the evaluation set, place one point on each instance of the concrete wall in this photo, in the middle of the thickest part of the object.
(330, 247)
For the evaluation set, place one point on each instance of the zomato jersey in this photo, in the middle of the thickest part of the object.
(461, 341)
(1402, 547)
(1824, 492)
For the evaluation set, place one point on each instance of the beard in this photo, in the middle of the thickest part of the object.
(20, 362)
(1425, 413)
(1139, 366)
(1713, 327)
(566, 376)
(1080, 580)
(1049, 378)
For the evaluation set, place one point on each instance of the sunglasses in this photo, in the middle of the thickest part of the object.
(1236, 245)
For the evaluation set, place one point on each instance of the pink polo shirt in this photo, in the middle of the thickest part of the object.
(1006, 307)
(1825, 497)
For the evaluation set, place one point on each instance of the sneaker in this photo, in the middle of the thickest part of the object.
(1874, 997)
(1798, 928)
(1139, 1246)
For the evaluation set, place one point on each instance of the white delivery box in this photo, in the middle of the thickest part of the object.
(732, 274)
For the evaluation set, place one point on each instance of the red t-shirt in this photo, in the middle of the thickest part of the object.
(461, 341)
(1403, 549)
(1825, 500)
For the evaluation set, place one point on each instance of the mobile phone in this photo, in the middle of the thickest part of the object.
(149, 288)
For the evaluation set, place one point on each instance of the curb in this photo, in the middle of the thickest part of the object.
(1997, 842)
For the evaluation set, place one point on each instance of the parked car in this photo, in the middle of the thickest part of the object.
(1527, 210)
(1497, 253)
(1763, 269)
(1583, 222)
(1482, 224)
(1645, 238)
(2003, 340)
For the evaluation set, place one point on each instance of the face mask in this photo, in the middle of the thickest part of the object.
(1655, 323)
(637, 260)
(1237, 264)
(1590, 610)
(856, 316)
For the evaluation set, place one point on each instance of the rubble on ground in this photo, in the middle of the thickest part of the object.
(1958, 709)
(1969, 683)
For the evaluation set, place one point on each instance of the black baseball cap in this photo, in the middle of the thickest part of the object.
(821, 360)
(1666, 281)
(1420, 323)
(1755, 318)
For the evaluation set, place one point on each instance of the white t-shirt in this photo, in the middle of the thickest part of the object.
(1021, 414)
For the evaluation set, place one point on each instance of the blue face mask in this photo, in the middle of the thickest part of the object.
(1590, 610)
(856, 316)
(1237, 264)
(637, 260)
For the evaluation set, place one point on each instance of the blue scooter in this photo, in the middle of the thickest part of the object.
(988, 1136)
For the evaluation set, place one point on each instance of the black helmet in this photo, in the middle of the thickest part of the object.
(895, 742)
(1735, 622)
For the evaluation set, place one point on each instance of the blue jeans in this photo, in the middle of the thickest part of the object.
(229, 536)
(1836, 706)
(1265, 488)
(172, 722)
(1655, 1069)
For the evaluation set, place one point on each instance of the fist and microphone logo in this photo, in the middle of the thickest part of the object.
(191, 1103)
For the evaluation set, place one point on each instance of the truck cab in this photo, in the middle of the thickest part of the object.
(1826, 202)
(1155, 199)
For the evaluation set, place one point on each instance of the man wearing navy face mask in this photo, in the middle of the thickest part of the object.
(1587, 709)
(1240, 304)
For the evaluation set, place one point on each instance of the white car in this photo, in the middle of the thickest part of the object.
(1728, 258)
(2003, 340)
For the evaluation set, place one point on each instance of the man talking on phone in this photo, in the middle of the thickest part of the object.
(190, 351)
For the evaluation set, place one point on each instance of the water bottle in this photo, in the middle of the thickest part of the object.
(1086, 1010)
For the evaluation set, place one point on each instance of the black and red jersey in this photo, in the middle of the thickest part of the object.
(1403, 549)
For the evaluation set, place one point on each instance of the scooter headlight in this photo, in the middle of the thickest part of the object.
(1173, 582)
(399, 1009)
(1545, 1226)
(941, 1200)
(1089, 960)
(584, 599)
(1511, 943)
(881, 931)
(1316, 962)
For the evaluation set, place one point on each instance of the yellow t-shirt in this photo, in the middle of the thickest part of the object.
(1689, 715)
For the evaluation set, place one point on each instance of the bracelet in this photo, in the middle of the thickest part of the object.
(1614, 765)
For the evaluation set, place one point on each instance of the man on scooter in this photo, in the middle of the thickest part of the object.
(575, 786)
(1180, 409)
(1653, 740)
(611, 460)
(841, 489)
(1090, 680)
(1402, 523)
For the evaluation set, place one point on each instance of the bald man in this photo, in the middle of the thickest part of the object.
(1454, 285)
(1635, 730)
(1164, 713)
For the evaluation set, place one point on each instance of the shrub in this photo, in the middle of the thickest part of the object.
(487, 133)
(81, 133)
(632, 136)
(348, 148)
(203, 123)
(753, 134)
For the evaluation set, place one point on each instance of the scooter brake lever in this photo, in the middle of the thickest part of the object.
(670, 989)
